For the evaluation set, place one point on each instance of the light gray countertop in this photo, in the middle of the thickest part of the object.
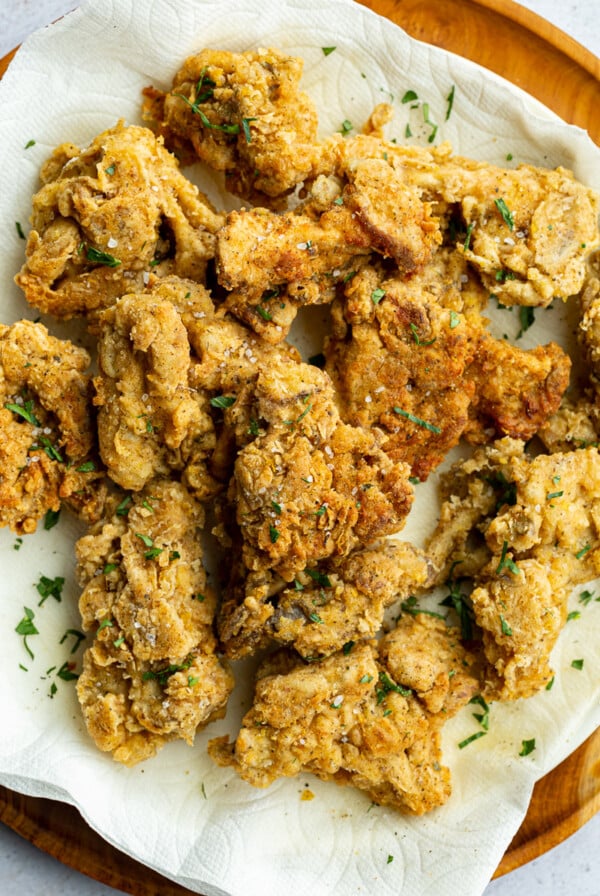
(570, 869)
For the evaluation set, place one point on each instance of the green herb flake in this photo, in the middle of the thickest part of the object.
(327, 51)
(74, 633)
(26, 628)
(47, 587)
(66, 672)
(119, 641)
(192, 682)
(153, 553)
(51, 519)
(585, 597)
(110, 567)
(347, 648)
(106, 623)
(222, 401)
(145, 539)
(225, 128)
(266, 315)
(507, 215)
(450, 102)
(429, 122)
(550, 684)
(18, 543)
(482, 717)
(574, 614)
(25, 411)
(506, 562)
(469, 740)
(377, 295)
(409, 97)
(509, 156)
(461, 605)
(314, 617)
(505, 627)
(583, 552)
(408, 132)
(417, 420)
(88, 467)
(467, 241)
(29, 144)
(124, 506)
(577, 664)
(415, 333)
(110, 170)
(527, 747)
(19, 230)
(454, 319)
(346, 127)
(386, 685)
(274, 534)
(319, 577)
(246, 128)
(366, 679)
(551, 495)
(390, 858)
(526, 319)
(98, 257)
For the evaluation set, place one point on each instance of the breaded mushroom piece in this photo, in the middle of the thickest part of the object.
(151, 674)
(536, 523)
(47, 441)
(327, 606)
(107, 217)
(312, 487)
(349, 719)
(151, 421)
(244, 114)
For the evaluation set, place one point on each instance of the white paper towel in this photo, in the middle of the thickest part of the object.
(178, 813)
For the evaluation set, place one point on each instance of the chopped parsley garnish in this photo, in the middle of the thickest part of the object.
(147, 541)
(411, 606)
(461, 605)
(407, 132)
(527, 747)
(386, 685)
(551, 495)
(450, 101)
(106, 623)
(390, 858)
(276, 507)
(585, 597)
(274, 534)
(29, 144)
(347, 648)
(454, 319)
(506, 629)
(429, 122)
(19, 229)
(583, 552)
(222, 401)
(51, 519)
(346, 127)
(110, 170)
(47, 587)
(577, 664)
(314, 617)
(246, 128)
(328, 50)
(79, 637)
(366, 679)
(506, 491)
(469, 740)
(124, 505)
(319, 577)
(88, 467)
(574, 614)
(377, 295)
(550, 684)
(506, 562)
(409, 97)
(502, 275)
(163, 675)
(429, 426)
(66, 672)
(226, 128)
(467, 241)
(526, 318)
(98, 257)
(417, 338)
(254, 428)
(110, 567)
(266, 315)
(26, 628)
(507, 216)
(482, 717)
(25, 411)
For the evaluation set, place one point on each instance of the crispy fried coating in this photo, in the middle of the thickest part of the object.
(47, 443)
(312, 487)
(151, 673)
(516, 391)
(539, 520)
(530, 229)
(294, 259)
(108, 216)
(150, 420)
(348, 719)
(327, 605)
(244, 114)
(399, 355)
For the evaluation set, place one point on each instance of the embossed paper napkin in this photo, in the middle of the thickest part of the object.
(178, 813)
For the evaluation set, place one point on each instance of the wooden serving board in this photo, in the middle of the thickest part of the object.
(533, 54)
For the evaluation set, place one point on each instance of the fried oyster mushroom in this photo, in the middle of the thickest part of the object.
(108, 216)
(151, 420)
(152, 673)
(365, 716)
(244, 114)
(530, 229)
(47, 442)
(273, 264)
(525, 529)
(311, 487)
(327, 605)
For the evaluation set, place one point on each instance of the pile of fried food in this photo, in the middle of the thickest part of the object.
(306, 470)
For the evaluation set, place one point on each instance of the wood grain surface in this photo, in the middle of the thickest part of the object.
(533, 54)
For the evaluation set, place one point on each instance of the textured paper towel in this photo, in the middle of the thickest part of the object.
(178, 813)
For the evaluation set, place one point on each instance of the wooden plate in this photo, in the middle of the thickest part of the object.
(532, 53)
